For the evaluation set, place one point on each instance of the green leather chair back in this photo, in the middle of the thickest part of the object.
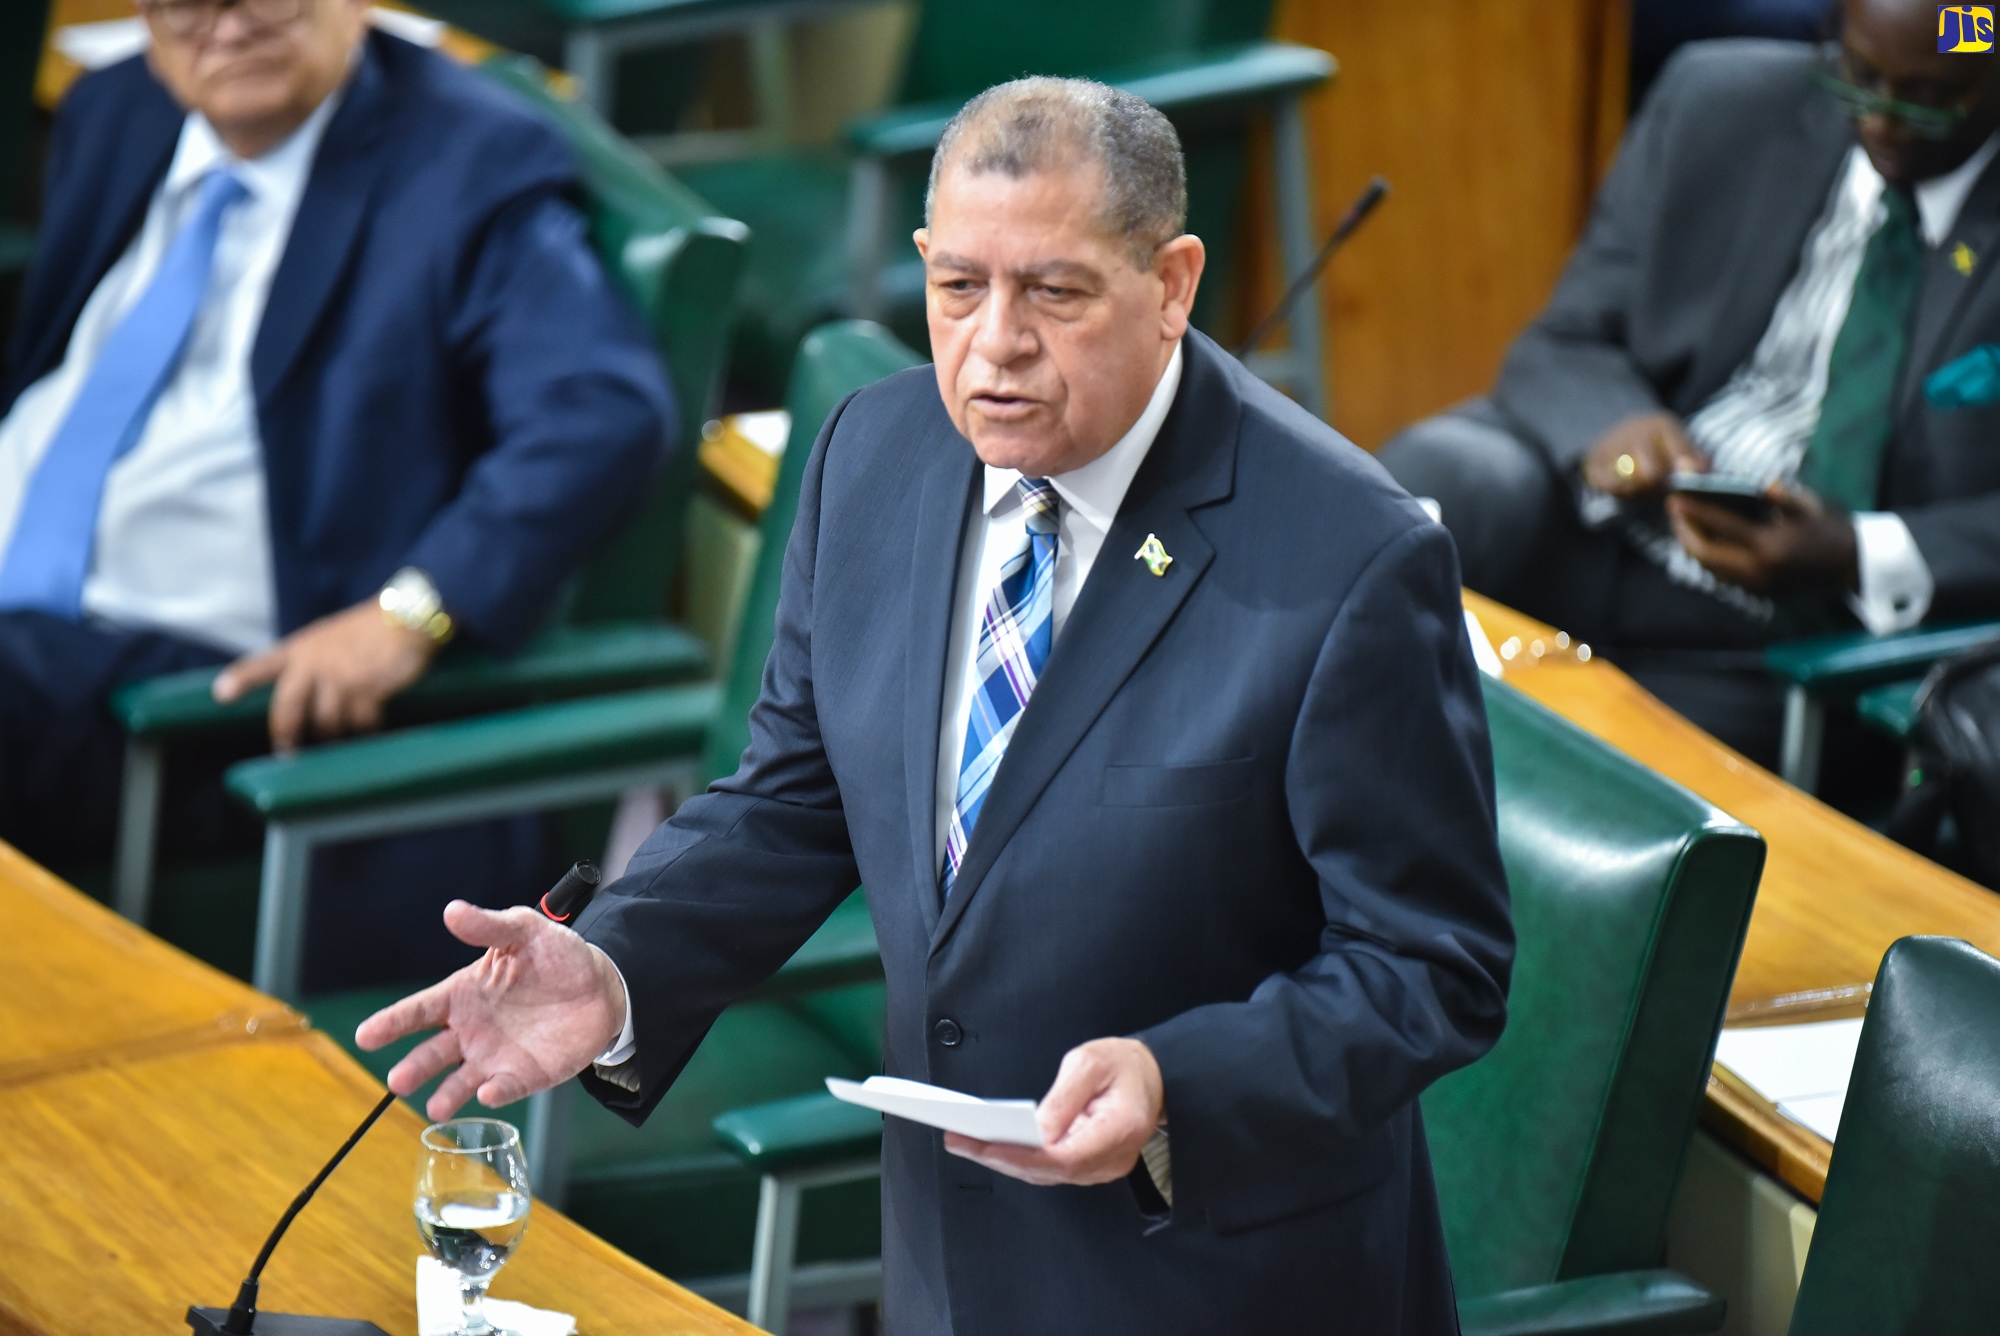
(680, 263)
(966, 45)
(1911, 1214)
(1557, 1154)
(834, 361)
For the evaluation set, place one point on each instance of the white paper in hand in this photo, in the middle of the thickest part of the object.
(1008, 1120)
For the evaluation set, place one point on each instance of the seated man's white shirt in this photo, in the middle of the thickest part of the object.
(1089, 497)
(183, 533)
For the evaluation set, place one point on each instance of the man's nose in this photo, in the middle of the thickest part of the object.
(1004, 333)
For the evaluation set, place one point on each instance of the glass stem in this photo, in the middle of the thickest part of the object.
(472, 1308)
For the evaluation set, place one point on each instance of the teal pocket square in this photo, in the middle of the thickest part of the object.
(1971, 381)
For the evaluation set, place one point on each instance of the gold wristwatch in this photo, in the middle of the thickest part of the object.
(410, 600)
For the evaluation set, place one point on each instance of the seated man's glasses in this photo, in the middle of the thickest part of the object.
(1864, 92)
(193, 20)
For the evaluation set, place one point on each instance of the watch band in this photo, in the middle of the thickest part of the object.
(410, 600)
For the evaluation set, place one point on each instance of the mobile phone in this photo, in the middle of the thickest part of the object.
(1732, 492)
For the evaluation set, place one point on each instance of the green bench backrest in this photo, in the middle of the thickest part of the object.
(834, 361)
(1911, 1210)
(1557, 1154)
(966, 45)
(21, 27)
(679, 262)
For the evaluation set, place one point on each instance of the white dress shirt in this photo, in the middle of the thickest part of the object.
(1088, 498)
(1760, 423)
(183, 536)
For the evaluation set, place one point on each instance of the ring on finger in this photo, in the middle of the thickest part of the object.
(1625, 466)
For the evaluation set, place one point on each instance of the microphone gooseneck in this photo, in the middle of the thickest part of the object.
(243, 1313)
(1364, 204)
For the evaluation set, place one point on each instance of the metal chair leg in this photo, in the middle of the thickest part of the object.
(138, 831)
(592, 62)
(545, 1140)
(867, 221)
(1805, 728)
(771, 1260)
(281, 912)
(1295, 243)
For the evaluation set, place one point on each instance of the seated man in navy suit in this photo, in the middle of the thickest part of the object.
(314, 371)
(1142, 704)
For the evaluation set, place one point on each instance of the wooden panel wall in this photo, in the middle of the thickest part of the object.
(1493, 121)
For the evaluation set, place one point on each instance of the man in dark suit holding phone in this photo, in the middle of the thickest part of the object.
(1142, 704)
(1794, 238)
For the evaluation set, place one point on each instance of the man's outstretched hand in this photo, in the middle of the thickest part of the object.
(529, 1014)
(1107, 1100)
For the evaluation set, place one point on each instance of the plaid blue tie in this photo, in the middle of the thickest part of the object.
(49, 555)
(1014, 640)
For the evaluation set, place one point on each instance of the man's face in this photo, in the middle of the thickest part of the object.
(258, 68)
(1889, 47)
(1048, 339)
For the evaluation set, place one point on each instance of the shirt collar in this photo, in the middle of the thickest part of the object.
(279, 172)
(1097, 489)
(1940, 198)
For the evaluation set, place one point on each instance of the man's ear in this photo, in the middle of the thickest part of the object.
(922, 236)
(1178, 265)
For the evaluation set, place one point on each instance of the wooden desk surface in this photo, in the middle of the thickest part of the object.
(1834, 896)
(153, 1137)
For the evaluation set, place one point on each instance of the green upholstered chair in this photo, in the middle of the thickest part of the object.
(1558, 1153)
(666, 1193)
(679, 262)
(1906, 1226)
(1839, 669)
(832, 225)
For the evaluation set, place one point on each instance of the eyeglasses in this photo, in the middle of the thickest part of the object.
(193, 20)
(1922, 120)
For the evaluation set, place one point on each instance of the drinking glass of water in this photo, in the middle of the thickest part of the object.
(472, 1205)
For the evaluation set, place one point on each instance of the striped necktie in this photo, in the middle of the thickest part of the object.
(1014, 639)
(49, 555)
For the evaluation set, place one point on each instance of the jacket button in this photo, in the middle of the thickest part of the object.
(948, 1033)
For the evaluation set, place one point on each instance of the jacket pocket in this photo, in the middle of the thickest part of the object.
(1177, 785)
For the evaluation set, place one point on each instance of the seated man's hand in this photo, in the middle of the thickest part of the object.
(1105, 1104)
(1801, 547)
(529, 1014)
(1636, 457)
(334, 676)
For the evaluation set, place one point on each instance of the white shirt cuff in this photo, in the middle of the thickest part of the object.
(1896, 583)
(622, 1051)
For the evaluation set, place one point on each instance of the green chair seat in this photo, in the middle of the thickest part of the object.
(804, 1130)
(1629, 1303)
(563, 661)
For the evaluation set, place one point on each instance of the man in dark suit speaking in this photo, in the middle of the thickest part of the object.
(1142, 704)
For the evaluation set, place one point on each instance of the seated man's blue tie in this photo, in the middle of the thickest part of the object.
(1014, 639)
(49, 555)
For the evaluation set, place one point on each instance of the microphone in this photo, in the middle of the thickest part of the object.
(242, 1317)
(1364, 204)
(567, 898)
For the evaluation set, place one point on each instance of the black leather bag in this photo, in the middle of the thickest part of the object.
(1954, 763)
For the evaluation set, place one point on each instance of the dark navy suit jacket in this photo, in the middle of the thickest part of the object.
(444, 376)
(1247, 817)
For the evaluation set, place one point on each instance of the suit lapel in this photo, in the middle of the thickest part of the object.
(329, 224)
(1946, 287)
(1798, 174)
(1121, 610)
(947, 506)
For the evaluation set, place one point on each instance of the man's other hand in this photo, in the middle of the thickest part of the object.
(529, 1014)
(1636, 457)
(1106, 1102)
(333, 676)
(1801, 547)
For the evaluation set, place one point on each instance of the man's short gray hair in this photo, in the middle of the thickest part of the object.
(1043, 124)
